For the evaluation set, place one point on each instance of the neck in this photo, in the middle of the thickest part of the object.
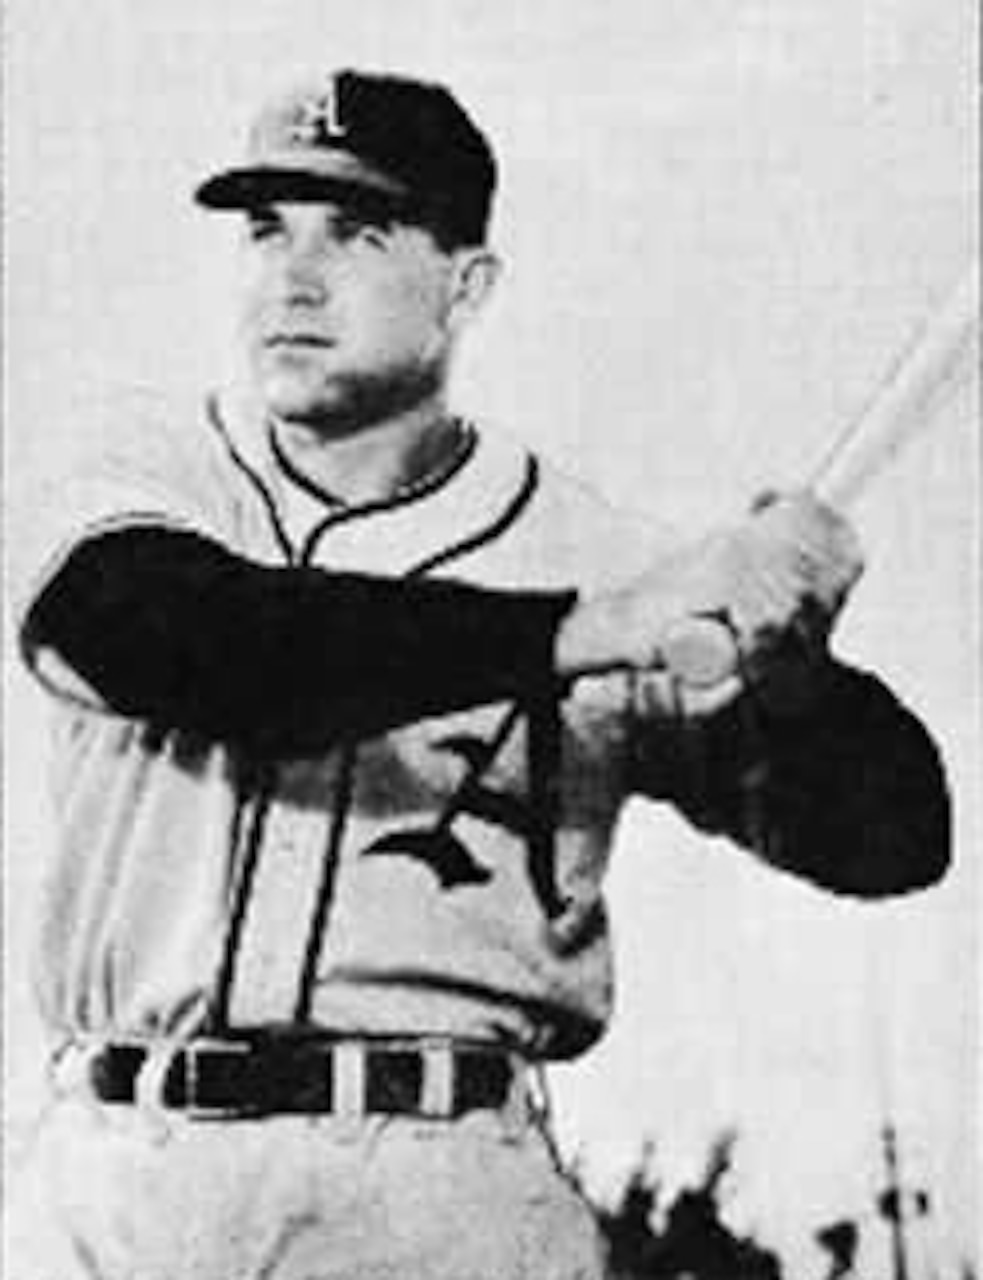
(374, 464)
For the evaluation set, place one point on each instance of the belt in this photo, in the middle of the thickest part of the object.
(321, 1077)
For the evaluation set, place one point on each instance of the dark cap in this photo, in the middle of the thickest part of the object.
(403, 143)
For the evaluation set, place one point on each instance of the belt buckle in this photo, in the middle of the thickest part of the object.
(190, 1054)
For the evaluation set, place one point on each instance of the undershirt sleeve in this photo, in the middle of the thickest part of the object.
(174, 629)
(850, 794)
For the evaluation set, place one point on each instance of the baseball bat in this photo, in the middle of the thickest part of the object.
(702, 652)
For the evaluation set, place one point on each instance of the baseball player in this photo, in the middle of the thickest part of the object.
(348, 692)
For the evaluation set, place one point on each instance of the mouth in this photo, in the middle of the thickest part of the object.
(298, 342)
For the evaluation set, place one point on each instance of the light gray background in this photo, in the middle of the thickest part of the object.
(720, 221)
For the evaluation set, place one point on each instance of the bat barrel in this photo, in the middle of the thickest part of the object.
(702, 652)
(906, 400)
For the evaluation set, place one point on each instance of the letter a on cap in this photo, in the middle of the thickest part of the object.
(318, 122)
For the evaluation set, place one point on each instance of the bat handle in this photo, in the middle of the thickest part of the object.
(700, 652)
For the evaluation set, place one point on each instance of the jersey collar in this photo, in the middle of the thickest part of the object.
(462, 510)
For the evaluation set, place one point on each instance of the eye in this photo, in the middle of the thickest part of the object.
(353, 229)
(375, 236)
(261, 224)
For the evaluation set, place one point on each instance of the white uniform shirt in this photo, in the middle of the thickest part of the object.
(156, 826)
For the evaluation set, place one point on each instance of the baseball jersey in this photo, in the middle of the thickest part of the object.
(186, 875)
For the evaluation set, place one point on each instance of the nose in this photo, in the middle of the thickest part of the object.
(311, 251)
(305, 270)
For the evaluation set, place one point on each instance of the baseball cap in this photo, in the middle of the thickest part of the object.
(406, 145)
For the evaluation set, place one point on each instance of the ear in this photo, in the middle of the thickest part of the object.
(475, 272)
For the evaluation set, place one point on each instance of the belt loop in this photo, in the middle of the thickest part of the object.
(348, 1059)
(70, 1067)
(519, 1109)
(539, 1096)
(437, 1086)
(149, 1086)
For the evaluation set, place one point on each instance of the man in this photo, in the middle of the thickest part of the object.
(349, 694)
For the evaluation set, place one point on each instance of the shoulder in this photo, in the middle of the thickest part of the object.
(577, 534)
(136, 435)
(118, 457)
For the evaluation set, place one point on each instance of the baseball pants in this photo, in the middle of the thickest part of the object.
(115, 1193)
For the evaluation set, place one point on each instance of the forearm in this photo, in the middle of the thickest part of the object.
(597, 636)
(175, 629)
(624, 629)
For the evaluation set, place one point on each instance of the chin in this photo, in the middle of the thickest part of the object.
(344, 404)
(296, 400)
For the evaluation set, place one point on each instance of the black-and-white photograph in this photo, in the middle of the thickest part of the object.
(492, 747)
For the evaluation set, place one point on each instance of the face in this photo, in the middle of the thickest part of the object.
(348, 322)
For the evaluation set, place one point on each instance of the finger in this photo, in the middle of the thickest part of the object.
(696, 703)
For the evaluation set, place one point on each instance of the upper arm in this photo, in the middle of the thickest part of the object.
(129, 461)
(850, 794)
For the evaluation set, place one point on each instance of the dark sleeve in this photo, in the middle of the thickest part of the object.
(850, 793)
(174, 629)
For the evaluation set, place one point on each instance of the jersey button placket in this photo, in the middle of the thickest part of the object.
(271, 950)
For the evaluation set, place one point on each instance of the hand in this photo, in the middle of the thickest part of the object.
(781, 579)
(781, 575)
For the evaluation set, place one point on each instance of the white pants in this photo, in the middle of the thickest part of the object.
(111, 1193)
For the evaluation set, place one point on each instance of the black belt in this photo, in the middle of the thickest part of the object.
(281, 1078)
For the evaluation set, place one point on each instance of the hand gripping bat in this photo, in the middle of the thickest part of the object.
(701, 652)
